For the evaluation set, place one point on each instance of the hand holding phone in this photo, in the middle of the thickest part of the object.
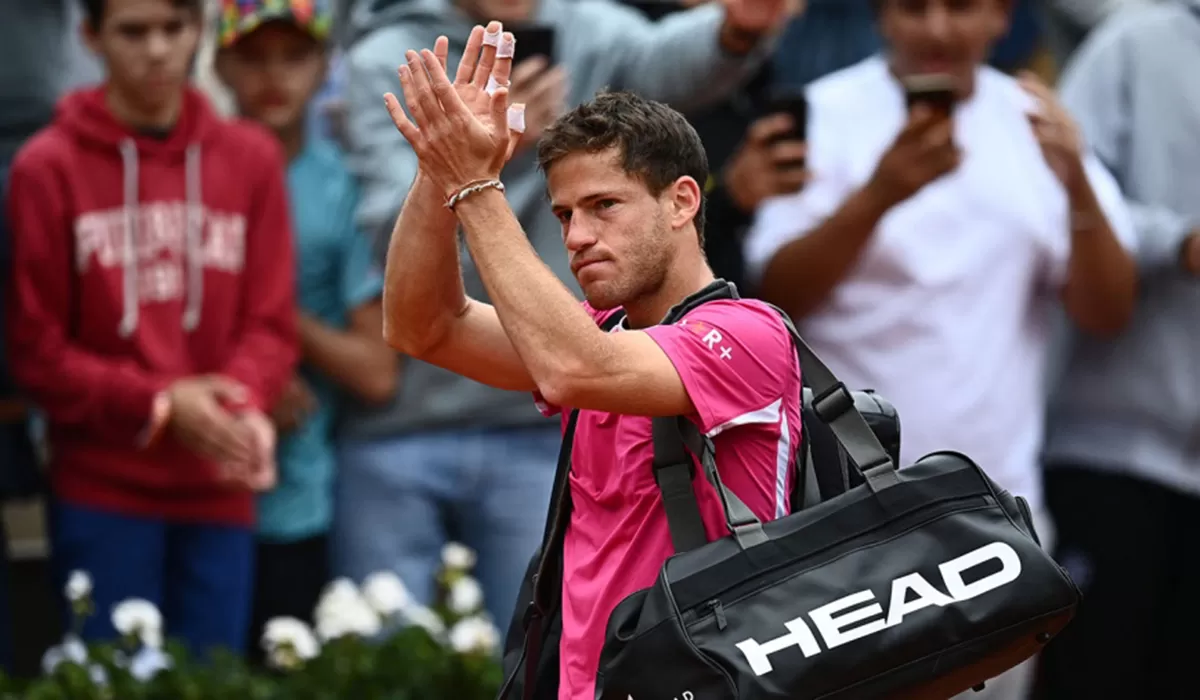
(795, 105)
(769, 162)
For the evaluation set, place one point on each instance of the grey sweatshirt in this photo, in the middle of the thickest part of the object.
(601, 44)
(41, 58)
(1133, 404)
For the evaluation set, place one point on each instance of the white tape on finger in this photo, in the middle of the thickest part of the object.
(516, 118)
(508, 47)
(493, 85)
(491, 38)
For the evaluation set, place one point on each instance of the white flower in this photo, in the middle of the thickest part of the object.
(148, 663)
(458, 557)
(466, 596)
(139, 618)
(74, 649)
(386, 593)
(79, 586)
(343, 611)
(52, 659)
(423, 617)
(474, 634)
(289, 642)
(98, 675)
(337, 593)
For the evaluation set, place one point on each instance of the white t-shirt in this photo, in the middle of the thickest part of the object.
(947, 312)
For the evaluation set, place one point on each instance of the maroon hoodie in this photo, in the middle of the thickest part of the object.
(138, 260)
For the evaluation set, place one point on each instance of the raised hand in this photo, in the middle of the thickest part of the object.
(460, 130)
(1056, 133)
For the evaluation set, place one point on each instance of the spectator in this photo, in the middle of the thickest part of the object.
(451, 451)
(151, 315)
(273, 56)
(920, 258)
(1122, 436)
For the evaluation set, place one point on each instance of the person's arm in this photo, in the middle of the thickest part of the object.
(801, 273)
(709, 56)
(267, 347)
(571, 361)
(107, 398)
(1096, 89)
(1100, 291)
(355, 357)
(427, 314)
(1100, 287)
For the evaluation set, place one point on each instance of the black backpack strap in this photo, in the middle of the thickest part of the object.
(673, 473)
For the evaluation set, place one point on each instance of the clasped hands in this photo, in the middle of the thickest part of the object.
(462, 131)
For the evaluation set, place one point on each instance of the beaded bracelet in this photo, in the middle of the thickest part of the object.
(470, 189)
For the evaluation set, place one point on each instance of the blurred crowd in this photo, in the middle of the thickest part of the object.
(194, 372)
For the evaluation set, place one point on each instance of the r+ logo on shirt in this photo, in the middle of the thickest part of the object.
(709, 336)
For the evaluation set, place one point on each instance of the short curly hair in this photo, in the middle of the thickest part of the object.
(657, 144)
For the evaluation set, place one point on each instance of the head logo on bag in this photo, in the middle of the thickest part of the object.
(832, 619)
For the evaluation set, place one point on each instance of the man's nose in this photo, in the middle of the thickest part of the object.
(937, 22)
(578, 234)
(158, 45)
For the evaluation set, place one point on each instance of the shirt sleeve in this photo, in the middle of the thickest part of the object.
(734, 359)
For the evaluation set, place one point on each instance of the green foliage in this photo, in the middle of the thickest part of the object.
(408, 665)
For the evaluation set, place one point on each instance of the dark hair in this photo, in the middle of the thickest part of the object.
(657, 144)
(94, 9)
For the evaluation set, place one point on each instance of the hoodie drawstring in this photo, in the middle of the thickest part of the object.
(130, 301)
(194, 226)
(195, 253)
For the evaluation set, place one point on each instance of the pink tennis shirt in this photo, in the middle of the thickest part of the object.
(737, 362)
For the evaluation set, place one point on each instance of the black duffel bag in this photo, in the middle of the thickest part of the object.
(920, 583)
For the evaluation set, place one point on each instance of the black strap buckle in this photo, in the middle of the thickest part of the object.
(833, 403)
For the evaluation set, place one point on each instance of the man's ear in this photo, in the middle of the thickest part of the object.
(686, 197)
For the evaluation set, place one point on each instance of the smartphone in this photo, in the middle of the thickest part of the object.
(533, 41)
(794, 104)
(935, 90)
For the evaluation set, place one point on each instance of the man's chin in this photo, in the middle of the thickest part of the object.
(599, 300)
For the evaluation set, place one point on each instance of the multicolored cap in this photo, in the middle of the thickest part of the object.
(240, 17)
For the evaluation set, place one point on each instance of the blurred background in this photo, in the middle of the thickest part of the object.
(1111, 409)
